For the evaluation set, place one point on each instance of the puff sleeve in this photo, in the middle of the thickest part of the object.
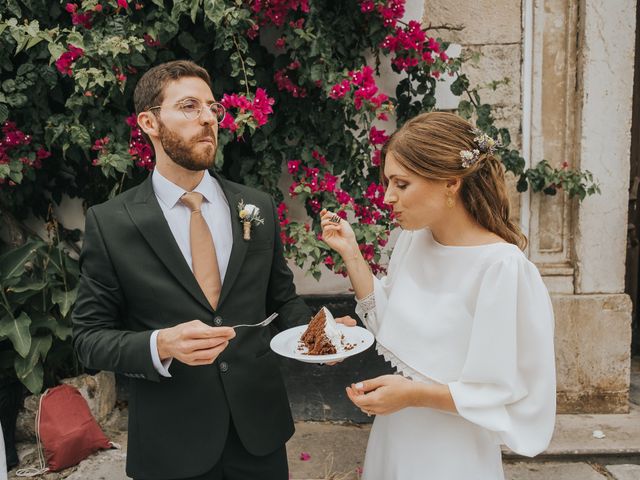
(507, 384)
(371, 308)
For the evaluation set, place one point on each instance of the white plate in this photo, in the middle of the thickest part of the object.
(286, 344)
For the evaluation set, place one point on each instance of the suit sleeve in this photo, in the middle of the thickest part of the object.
(281, 293)
(99, 337)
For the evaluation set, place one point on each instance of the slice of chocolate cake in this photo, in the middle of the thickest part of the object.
(322, 336)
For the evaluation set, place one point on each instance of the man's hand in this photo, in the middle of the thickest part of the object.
(193, 343)
(347, 321)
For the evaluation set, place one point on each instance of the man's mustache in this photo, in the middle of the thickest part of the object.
(208, 134)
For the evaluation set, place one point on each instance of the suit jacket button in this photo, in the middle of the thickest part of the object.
(217, 321)
(224, 366)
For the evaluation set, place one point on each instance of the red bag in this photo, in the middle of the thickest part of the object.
(67, 430)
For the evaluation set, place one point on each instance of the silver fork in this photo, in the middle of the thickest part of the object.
(263, 323)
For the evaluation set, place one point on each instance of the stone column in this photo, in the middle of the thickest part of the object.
(600, 312)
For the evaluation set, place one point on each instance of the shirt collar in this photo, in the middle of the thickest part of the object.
(169, 193)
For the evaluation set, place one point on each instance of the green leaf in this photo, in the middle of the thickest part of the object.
(17, 330)
(80, 135)
(12, 263)
(4, 112)
(195, 6)
(13, 7)
(64, 299)
(29, 369)
(28, 287)
(49, 322)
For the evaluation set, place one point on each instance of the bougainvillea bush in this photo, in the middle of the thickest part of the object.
(298, 78)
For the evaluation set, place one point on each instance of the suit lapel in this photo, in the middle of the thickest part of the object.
(146, 214)
(239, 247)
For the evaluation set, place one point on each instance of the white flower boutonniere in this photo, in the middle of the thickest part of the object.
(249, 214)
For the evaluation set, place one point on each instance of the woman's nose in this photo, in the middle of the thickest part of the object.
(389, 197)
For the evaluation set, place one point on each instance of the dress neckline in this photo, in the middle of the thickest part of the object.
(465, 247)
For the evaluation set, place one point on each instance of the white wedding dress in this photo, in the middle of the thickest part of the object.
(478, 319)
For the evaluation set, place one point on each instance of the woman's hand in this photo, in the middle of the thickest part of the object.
(382, 395)
(338, 236)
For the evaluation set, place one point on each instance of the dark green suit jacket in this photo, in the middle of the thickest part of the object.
(134, 279)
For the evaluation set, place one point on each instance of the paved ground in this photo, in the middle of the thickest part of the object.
(326, 451)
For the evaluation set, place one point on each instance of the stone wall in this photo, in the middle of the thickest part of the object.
(570, 65)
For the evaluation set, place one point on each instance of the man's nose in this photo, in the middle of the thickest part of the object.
(207, 117)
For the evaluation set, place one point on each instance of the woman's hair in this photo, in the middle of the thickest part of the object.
(429, 145)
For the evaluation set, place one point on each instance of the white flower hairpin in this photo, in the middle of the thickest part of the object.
(484, 144)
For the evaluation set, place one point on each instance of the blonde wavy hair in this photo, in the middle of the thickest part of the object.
(429, 145)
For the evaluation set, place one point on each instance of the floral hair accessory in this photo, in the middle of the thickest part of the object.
(469, 157)
(484, 144)
(249, 214)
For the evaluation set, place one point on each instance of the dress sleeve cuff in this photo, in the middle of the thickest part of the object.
(162, 367)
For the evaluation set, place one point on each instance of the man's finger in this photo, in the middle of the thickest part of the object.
(347, 320)
(205, 343)
(208, 355)
(205, 331)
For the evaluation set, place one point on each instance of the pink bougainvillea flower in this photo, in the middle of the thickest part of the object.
(293, 166)
(82, 18)
(229, 123)
(71, 7)
(123, 3)
(64, 62)
(377, 137)
(149, 41)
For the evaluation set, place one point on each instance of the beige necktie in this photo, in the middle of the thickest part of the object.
(203, 250)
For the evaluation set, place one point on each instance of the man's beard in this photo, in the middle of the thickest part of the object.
(185, 152)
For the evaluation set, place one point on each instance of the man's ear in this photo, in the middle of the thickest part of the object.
(453, 185)
(149, 124)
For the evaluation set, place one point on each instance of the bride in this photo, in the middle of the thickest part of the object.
(462, 314)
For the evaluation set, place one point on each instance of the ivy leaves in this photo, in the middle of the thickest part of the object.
(38, 290)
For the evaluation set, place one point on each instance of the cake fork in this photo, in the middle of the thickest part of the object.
(263, 323)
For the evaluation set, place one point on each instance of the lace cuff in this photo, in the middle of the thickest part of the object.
(368, 303)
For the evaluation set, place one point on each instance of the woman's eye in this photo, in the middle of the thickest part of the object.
(401, 185)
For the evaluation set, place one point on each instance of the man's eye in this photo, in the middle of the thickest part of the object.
(190, 105)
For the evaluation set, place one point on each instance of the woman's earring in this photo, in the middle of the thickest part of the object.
(450, 201)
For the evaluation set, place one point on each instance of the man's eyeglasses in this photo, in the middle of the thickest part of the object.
(192, 109)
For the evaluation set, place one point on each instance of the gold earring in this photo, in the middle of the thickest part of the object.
(450, 201)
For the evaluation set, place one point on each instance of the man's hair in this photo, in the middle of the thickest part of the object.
(149, 91)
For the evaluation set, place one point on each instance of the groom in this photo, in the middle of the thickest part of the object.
(165, 273)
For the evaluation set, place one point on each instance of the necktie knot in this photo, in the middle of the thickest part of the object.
(193, 200)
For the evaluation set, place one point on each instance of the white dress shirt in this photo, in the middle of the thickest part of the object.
(215, 211)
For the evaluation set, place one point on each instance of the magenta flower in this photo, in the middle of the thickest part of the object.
(149, 41)
(377, 137)
(293, 166)
(367, 6)
(229, 123)
(64, 62)
(123, 4)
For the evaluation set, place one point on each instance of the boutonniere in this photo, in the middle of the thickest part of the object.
(249, 214)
